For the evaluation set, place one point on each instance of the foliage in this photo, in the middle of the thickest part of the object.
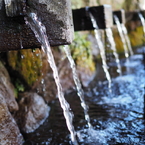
(118, 42)
(81, 51)
(137, 37)
(130, 5)
(76, 4)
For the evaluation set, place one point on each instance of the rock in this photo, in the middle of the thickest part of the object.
(85, 69)
(48, 88)
(30, 66)
(7, 89)
(9, 131)
(32, 112)
(34, 69)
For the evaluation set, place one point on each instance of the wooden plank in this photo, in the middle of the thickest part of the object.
(56, 16)
(102, 14)
(121, 16)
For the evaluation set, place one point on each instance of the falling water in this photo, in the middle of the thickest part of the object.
(40, 32)
(113, 47)
(78, 85)
(102, 50)
(142, 21)
(121, 35)
(127, 39)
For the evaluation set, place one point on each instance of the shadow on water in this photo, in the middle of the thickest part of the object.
(117, 118)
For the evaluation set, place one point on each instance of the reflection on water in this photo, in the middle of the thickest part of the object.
(116, 119)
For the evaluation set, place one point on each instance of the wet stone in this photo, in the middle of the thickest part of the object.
(9, 131)
(32, 112)
(7, 89)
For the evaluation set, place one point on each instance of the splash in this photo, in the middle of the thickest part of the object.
(99, 137)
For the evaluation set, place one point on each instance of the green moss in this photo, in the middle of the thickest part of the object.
(118, 42)
(79, 3)
(19, 87)
(136, 37)
(81, 52)
(26, 63)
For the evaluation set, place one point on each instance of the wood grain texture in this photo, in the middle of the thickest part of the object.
(55, 15)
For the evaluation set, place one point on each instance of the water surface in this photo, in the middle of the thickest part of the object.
(117, 117)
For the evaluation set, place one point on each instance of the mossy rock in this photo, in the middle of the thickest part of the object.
(29, 64)
(137, 37)
(118, 42)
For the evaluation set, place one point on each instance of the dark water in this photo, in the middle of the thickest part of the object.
(117, 118)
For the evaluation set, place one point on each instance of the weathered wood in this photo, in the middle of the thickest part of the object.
(143, 13)
(134, 15)
(121, 16)
(102, 14)
(55, 15)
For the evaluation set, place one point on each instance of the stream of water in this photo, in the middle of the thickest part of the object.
(116, 119)
(121, 36)
(102, 50)
(80, 91)
(142, 21)
(40, 33)
(127, 39)
(110, 38)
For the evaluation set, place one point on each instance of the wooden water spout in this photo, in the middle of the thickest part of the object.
(15, 34)
(143, 13)
(121, 16)
(102, 14)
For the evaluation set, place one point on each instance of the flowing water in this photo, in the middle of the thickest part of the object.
(116, 119)
(121, 36)
(110, 38)
(102, 51)
(40, 32)
(127, 39)
(142, 21)
(80, 91)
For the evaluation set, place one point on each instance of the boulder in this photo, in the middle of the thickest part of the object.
(32, 112)
(7, 89)
(9, 131)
